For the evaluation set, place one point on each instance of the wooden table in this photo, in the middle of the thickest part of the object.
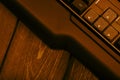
(23, 56)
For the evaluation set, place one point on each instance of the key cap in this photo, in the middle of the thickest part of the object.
(110, 15)
(79, 6)
(101, 24)
(91, 16)
(110, 33)
(116, 26)
(88, 2)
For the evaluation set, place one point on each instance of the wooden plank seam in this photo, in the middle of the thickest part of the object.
(3, 61)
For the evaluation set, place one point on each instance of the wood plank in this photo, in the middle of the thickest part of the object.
(7, 25)
(30, 59)
(78, 71)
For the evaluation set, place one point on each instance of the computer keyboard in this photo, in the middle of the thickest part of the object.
(102, 16)
(88, 29)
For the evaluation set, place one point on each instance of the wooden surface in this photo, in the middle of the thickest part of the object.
(23, 56)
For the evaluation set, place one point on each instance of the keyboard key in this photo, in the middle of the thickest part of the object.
(116, 26)
(116, 3)
(101, 24)
(91, 16)
(103, 4)
(88, 2)
(117, 43)
(109, 15)
(79, 6)
(97, 10)
(110, 33)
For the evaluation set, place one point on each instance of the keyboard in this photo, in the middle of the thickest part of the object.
(88, 29)
(102, 16)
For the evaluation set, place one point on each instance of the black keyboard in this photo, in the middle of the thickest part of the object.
(88, 29)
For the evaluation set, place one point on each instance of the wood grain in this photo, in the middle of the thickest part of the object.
(78, 71)
(7, 25)
(30, 59)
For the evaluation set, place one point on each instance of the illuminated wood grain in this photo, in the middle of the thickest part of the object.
(78, 71)
(7, 25)
(28, 58)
